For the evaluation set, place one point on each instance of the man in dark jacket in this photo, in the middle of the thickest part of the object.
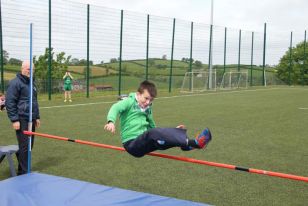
(17, 105)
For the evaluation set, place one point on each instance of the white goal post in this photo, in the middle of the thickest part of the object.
(234, 80)
(198, 81)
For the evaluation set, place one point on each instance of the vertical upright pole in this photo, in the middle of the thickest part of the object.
(147, 52)
(1, 52)
(171, 62)
(305, 57)
(251, 59)
(88, 49)
(225, 50)
(49, 54)
(120, 62)
(264, 49)
(191, 45)
(239, 50)
(210, 59)
(211, 46)
(190, 56)
(290, 59)
(30, 104)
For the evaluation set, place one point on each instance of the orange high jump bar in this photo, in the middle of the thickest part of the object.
(184, 159)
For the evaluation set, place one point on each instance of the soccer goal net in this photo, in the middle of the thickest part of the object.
(199, 81)
(234, 80)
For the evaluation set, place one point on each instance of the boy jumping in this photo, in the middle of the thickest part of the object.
(138, 131)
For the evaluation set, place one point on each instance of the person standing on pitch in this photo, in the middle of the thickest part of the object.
(68, 80)
(138, 131)
(17, 106)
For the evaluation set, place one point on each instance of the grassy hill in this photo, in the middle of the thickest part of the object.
(158, 71)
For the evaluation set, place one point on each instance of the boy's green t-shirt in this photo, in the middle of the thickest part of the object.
(133, 120)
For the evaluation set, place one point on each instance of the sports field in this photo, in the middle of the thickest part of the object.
(262, 128)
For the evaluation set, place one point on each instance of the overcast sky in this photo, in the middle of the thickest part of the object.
(284, 15)
(69, 28)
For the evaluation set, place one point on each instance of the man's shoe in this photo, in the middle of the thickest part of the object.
(204, 138)
(65, 100)
(70, 100)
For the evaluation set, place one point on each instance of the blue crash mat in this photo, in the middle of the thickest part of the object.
(37, 189)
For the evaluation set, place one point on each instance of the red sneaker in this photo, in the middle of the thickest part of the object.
(204, 138)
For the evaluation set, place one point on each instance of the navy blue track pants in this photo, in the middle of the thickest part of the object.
(156, 139)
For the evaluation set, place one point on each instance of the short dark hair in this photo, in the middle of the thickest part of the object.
(148, 86)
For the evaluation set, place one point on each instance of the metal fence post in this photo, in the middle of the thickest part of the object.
(239, 51)
(304, 63)
(147, 52)
(120, 57)
(1, 52)
(290, 59)
(190, 58)
(88, 48)
(171, 62)
(209, 86)
(251, 60)
(225, 50)
(49, 54)
(264, 46)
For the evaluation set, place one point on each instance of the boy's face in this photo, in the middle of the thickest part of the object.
(144, 99)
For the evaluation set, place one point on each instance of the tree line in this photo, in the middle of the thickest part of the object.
(292, 66)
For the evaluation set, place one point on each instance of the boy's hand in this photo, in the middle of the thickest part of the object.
(110, 127)
(181, 126)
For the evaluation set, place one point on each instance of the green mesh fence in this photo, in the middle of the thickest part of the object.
(123, 48)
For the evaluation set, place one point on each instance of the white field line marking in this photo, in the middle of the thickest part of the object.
(188, 95)
(226, 92)
(302, 108)
(75, 105)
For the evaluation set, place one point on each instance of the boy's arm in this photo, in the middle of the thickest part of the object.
(116, 109)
